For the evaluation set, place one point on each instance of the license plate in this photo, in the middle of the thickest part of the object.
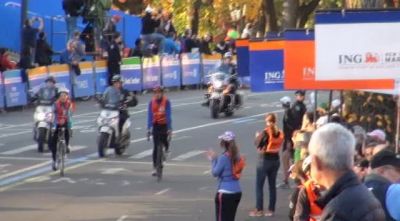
(42, 124)
(104, 129)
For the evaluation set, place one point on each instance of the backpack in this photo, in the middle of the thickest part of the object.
(238, 167)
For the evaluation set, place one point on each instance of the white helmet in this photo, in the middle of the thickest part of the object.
(335, 103)
(228, 54)
(63, 90)
(285, 100)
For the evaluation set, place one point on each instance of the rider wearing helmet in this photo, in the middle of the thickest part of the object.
(47, 95)
(117, 98)
(159, 121)
(63, 112)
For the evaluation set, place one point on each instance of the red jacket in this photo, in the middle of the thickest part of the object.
(63, 112)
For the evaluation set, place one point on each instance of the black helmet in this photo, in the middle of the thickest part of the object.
(50, 78)
(300, 92)
(116, 78)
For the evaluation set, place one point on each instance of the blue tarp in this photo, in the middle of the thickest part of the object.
(129, 26)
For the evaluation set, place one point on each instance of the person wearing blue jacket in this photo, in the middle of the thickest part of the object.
(229, 193)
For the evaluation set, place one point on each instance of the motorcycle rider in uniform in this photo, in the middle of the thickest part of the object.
(117, 98)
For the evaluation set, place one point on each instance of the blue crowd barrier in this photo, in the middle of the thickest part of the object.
(138, 74)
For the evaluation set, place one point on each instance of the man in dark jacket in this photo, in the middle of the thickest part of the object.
(43, 51)
(72, 9)
(298, 109)
(150, 22)
(114, 58)
(383, 182)
(332, 149)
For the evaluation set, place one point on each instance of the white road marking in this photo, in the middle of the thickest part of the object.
(24, 170)
(162, 192)
(20, 150)
(111, 171)
(126, 183)
(122, 218)
(181, 138)
(188, 155)
(142, 155)
(64, 179)
(207, 172)
(4, 165)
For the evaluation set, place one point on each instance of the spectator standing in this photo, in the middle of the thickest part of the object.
(114, 58)
(332, 149)
(222, 48)
(110, 29)
(268, 145)
(76, 52)
(43, 51)
(150, 22)
(137, 51)
(229, 192)
(383, 182)
(205, 47)
(29, 35)
(25, 63)
(72, 9)
(247, 31)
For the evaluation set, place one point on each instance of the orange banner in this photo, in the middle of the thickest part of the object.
(37, 71)
(266, 45)
(300, 71)
(242, 43)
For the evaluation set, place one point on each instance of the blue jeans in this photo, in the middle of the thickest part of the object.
(156, 38)
(266, 168)
(71, 26)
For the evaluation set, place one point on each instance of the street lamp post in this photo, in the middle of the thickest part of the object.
(24, 15)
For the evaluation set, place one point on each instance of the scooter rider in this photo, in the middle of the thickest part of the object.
(117, 98)
(229, 68)
(47, 95)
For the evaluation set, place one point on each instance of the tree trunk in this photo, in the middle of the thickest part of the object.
(372, 4)
(195, 17)
(262, 21)
(389, 3)
(290, 8)
(271, 16)
(305, 11)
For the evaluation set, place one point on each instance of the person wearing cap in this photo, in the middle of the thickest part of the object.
(298, 109)
(229, 192)
(114, 58)
(384, 182)
(47, 95)
(332, 150)
(268, 144)
(150, 22)
(115, 97)
(159, 122)
(63, 113)
(306, 208)
(375, 142)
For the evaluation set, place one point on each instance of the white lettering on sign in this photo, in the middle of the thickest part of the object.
(273, 77)
(132, 80)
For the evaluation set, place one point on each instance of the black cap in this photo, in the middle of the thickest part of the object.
(385, 158)
(300, 92)
(50, 78)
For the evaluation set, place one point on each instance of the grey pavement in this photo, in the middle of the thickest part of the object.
(121, 188)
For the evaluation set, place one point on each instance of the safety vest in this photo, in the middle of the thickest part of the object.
(274, 143)
(159, 111)
(315, 210)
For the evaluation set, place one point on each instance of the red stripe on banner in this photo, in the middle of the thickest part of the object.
(266, 45)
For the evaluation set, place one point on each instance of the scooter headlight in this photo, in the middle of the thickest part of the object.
(40, 116)
(218, 84)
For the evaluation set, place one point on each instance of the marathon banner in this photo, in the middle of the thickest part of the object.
(62, 75)
(357, 44)
(1, 91)
(266, 65)
(131, 72)
(300, 67)
(191, 69)
(15, 89)
(36, 77)
(151, 72)
(242, 52)
(209, 63)
(171, 71)
(100, 71)
(84, 83)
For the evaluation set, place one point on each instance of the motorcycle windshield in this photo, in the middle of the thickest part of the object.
(109, 114)
(44, 109)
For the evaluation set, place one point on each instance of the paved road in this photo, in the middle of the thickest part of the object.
(121, 188)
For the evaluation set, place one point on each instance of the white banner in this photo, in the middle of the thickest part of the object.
(357, 51)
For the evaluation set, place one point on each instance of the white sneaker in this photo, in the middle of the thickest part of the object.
(154, 172)
(54, 166)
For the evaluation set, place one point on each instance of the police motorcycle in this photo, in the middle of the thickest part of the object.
(222, 95)
(43, 116)
(108, 128)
